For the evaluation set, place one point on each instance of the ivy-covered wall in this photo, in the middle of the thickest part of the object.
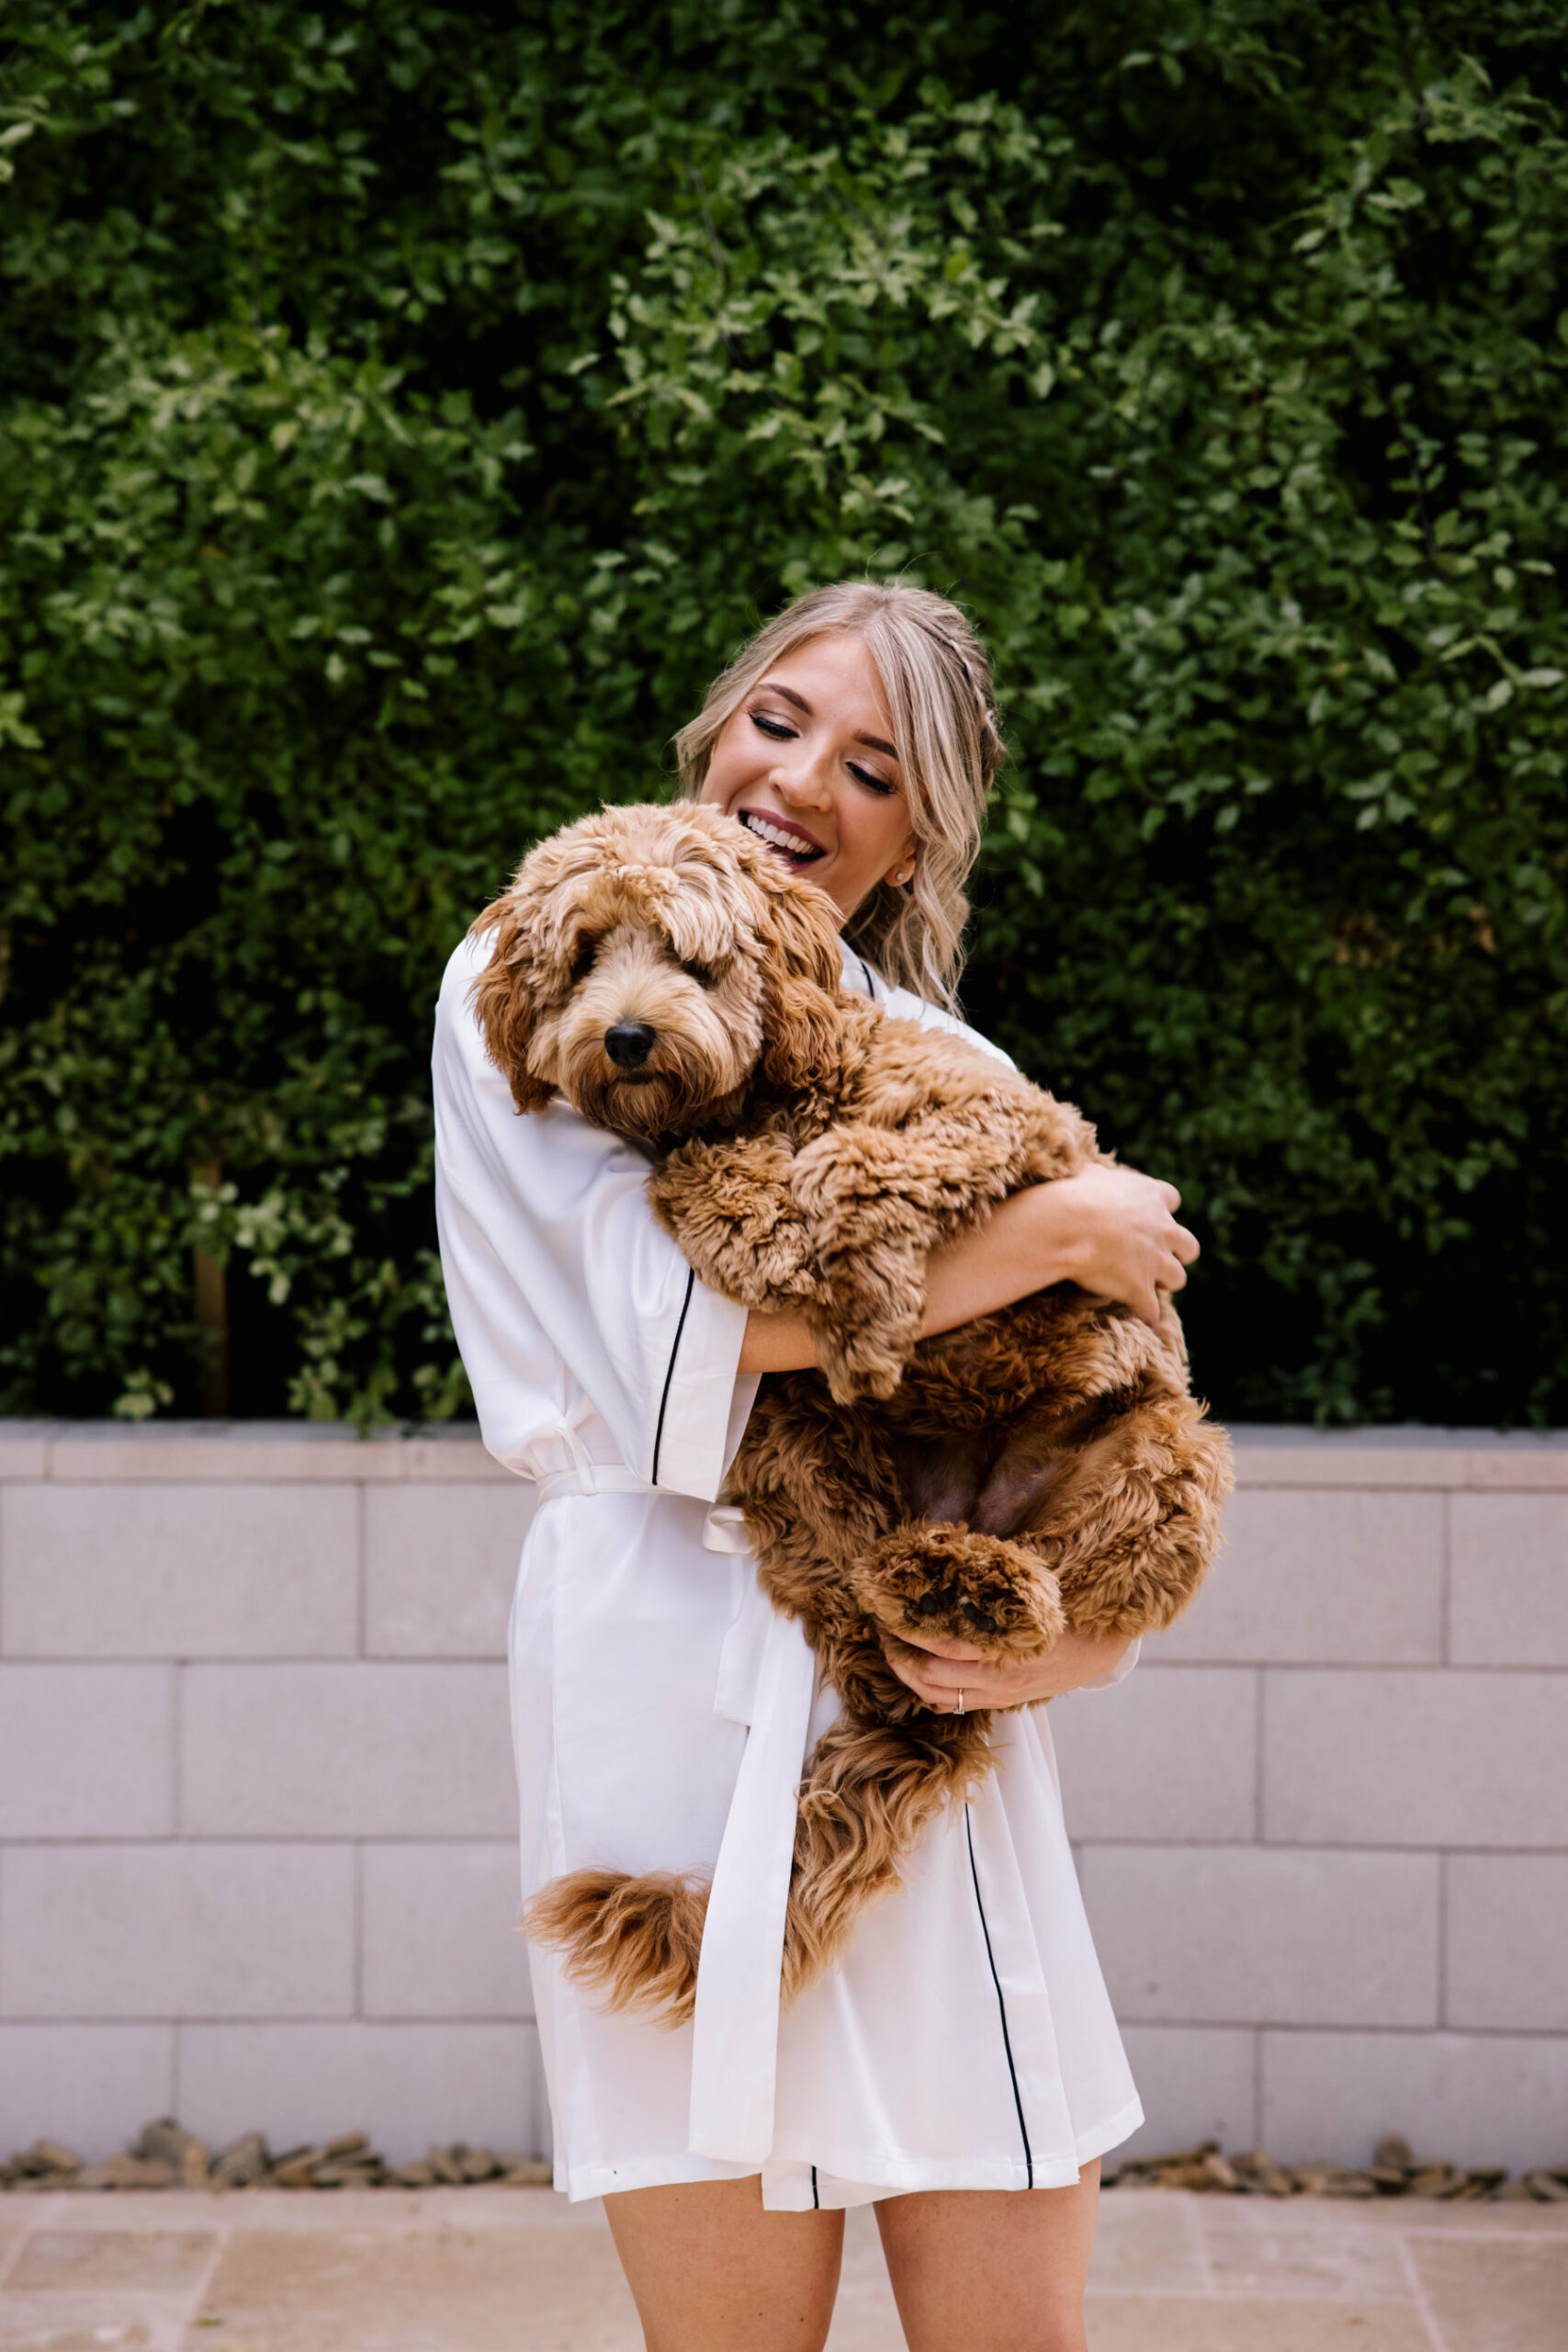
(405, 408)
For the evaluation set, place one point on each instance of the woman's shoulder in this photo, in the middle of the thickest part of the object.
(903, 1004)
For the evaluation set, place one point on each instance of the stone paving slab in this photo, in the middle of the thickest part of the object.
(520, 2270)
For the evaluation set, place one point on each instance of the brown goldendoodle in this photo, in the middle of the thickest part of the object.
(1044, 1466)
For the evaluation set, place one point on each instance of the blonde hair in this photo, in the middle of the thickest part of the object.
(937, 678)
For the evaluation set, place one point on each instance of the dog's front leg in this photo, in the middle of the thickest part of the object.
(731, 1208)
(876, 1201)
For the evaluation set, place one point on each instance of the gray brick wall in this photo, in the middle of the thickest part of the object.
(257, 1858)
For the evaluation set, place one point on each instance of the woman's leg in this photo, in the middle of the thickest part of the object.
(983, 2270)
(710, 2271)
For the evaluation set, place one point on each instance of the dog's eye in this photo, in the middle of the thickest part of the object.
(703, 974)
(582, 962)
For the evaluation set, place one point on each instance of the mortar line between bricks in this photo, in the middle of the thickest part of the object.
(286, 2020)
(1446, 1580)
(1257, 1750)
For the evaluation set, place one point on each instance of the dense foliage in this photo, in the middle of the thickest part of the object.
(404, 408)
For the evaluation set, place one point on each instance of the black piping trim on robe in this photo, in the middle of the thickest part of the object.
(670, 1372)
(866, 967)
(1001, 2005)
(816, 2200)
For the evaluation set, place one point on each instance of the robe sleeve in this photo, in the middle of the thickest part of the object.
(569, 1305)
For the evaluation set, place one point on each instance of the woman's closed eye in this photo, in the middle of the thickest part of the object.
(778, 730)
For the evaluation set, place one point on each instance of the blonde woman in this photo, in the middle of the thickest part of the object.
(962, 2068)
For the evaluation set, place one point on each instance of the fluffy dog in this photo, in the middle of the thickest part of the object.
(1044, 1466)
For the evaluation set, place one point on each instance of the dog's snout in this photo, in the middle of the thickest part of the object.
(628, 1043)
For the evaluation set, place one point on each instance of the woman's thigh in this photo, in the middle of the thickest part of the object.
(977, 2271)
(710, 2271)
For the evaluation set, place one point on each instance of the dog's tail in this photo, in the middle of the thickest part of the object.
(870, 1792)
(634, 1941)
(869, 1795)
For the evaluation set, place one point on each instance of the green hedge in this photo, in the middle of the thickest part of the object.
(405, 408)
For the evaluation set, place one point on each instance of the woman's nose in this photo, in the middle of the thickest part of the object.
(807, 780)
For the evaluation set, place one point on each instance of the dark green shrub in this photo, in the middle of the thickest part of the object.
(403, 409)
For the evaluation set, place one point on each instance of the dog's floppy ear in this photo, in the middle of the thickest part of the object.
(803, 971)
(502, 999)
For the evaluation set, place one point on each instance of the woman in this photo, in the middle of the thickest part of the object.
(964, 2051)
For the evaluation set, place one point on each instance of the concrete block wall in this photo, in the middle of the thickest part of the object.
(257, 1857)
(1323, 1831)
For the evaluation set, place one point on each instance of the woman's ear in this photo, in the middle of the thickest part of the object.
(502, 999)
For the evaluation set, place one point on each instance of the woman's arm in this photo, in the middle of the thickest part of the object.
(1110, 1229)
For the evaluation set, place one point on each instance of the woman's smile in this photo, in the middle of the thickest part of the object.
(808, 763)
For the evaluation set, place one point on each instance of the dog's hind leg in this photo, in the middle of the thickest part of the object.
(928, 1582)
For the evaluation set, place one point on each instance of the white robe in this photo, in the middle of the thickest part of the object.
(663, 1711)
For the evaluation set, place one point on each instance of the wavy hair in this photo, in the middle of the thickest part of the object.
(937, 678)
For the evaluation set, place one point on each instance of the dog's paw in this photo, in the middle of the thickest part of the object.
(929, 1582)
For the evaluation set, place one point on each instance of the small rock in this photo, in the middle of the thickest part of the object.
(1257, 2168)
(50, 2157)
(1392, 2153)
(477, 2163)
(1546, 2188)
(347, 2143)
(1221, 2175)
(1390, 2180)
(243, 2161)
(194, 2171)
(1184, 2176)
(1515, 2192)
(297, 2170)
(415, 2175)
(444, 2167)
(1432, 2179)
(137, 2172)
(164, 2141)
(525, 2172)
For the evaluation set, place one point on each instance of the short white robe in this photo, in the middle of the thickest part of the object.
(662, 1711)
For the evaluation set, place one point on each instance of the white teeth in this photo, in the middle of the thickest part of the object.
(778, 839)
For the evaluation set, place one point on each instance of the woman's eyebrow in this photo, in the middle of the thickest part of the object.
(788, 693)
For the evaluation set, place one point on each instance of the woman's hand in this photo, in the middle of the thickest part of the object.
(1114, 1231)
(936, 1672)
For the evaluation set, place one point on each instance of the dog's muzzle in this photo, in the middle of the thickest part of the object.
(629, 1044)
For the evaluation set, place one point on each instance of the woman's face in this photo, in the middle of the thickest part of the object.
(807, 763)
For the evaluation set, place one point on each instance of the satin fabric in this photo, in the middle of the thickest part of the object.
(662, 1713)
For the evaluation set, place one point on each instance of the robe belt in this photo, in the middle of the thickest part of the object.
(767, 1679)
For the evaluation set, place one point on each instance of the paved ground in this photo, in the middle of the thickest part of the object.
(518, 2270)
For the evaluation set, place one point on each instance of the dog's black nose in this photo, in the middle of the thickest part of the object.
(629, 1044)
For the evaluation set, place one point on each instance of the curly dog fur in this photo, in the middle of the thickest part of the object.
(1042, 1467)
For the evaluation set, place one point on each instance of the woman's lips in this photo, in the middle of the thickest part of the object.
(780, 834)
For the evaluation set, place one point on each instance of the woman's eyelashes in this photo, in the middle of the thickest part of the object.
(778, 730)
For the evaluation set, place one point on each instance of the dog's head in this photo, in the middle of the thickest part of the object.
(651, 965)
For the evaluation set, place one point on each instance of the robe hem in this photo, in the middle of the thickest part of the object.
(865, 2179)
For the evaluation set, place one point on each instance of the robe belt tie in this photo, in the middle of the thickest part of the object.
(767, 1681)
